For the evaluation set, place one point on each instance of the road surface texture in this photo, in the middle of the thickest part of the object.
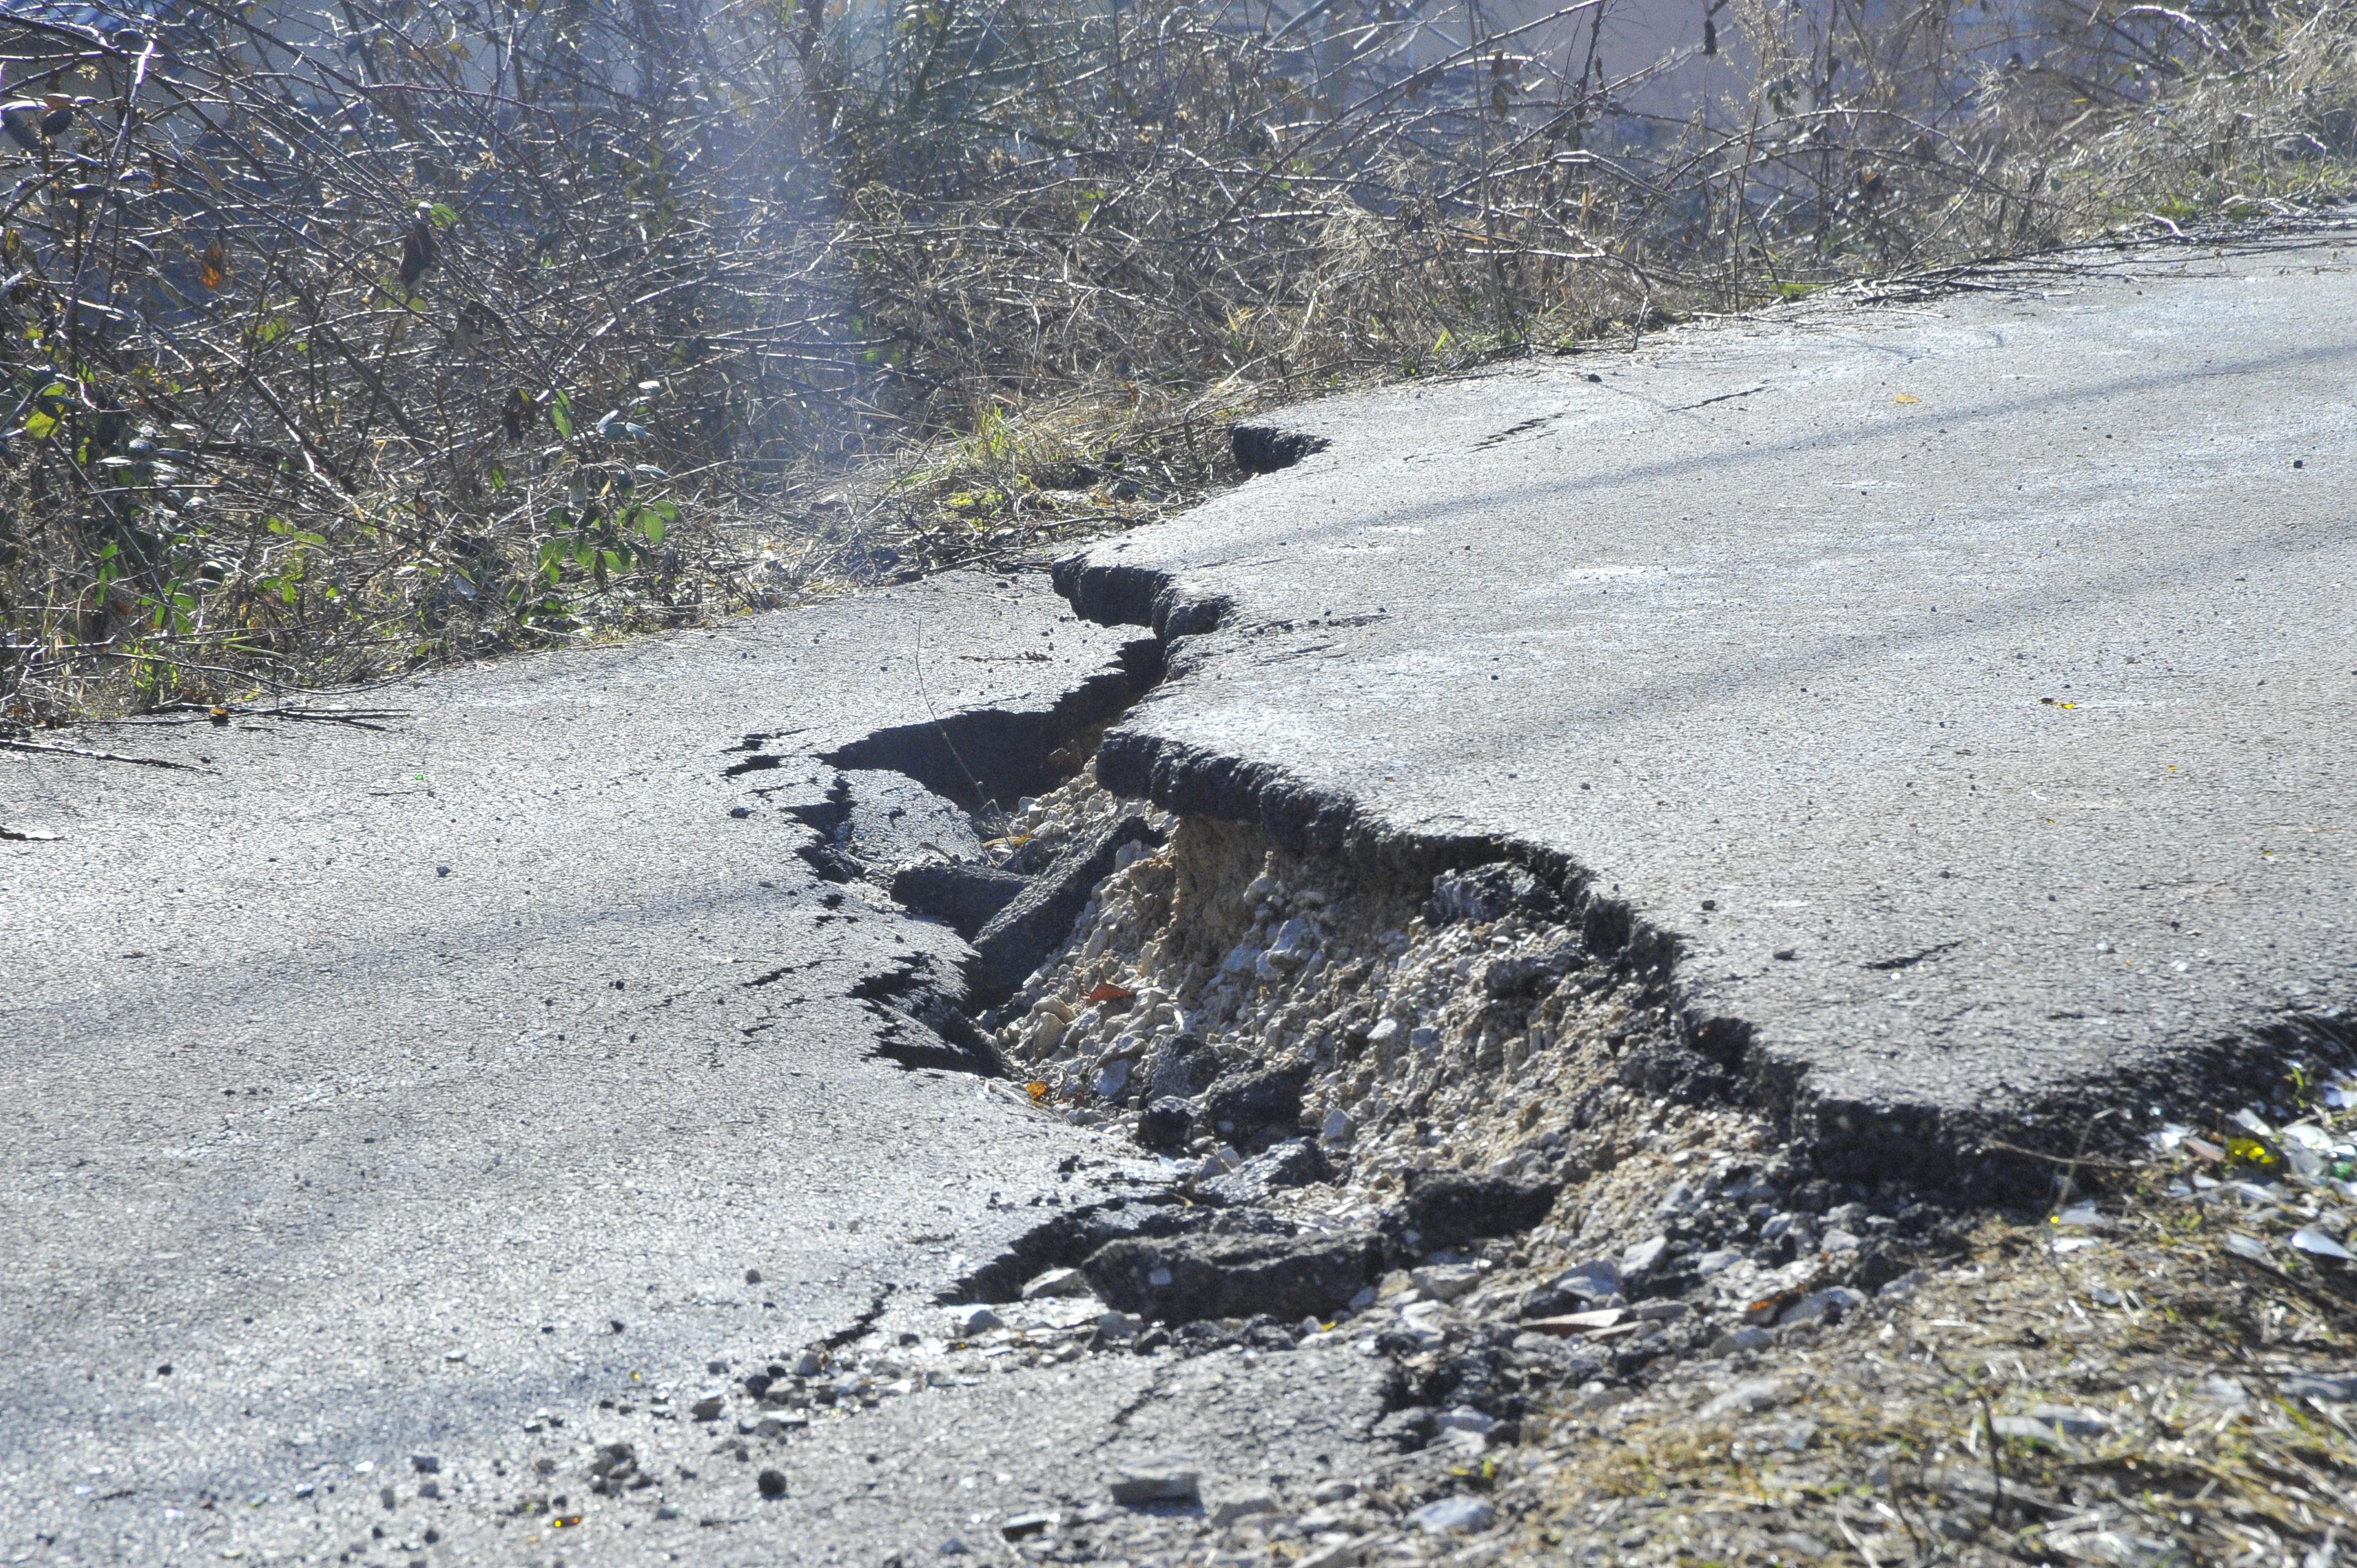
(373, 1087)
(433, 1126)
(1964, 690)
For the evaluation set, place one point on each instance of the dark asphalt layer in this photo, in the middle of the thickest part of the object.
(1969, 685)
(374, 1088)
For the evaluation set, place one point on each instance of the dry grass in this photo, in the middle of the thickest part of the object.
(1886, 1438)
(350, 342)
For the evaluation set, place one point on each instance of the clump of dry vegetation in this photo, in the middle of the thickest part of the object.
(2157, 1372)
(343, 338)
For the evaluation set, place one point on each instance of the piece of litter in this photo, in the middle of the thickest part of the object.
(2244, 1246)
(1450, 1515)
(1566, 1325)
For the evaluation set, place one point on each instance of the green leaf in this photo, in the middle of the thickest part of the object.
(561, 411)
(443, 214)
(40, 426)
(651, 525)
(498, 477)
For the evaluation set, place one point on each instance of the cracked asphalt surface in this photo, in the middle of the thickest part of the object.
(1962, 686)
(1965, 685)
(373, 1088)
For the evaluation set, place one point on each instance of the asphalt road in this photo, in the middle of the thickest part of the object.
(1962, 687)
(1966, 685)
(371, 1088)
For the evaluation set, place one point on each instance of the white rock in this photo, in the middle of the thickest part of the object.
(1229, 1510)
(1337, 1126)
(1112, 1077)
(1057, 1282)
(1640, 1257)
(1446, 1282)
(977, 1318)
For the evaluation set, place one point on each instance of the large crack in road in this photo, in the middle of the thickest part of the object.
(943, 1076)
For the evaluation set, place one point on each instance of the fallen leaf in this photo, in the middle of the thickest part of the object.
(1108, 991)
(1037, 1089)
(1906, 397)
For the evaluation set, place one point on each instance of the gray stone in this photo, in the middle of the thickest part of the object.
(1021, 1526)
(1741, 1339)
(1749, 1397)
(2331, 1390)
(1246, 1504)
(1590, 1281)
(1289, 1164)
(1638, 1259)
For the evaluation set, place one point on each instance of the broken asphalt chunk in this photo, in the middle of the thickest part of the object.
(1155, 1484)
(1181, 1279)
(1449, 1208)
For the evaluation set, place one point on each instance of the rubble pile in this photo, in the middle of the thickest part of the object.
(1432, 1088)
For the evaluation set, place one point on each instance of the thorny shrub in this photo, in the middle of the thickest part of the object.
(345, 338)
